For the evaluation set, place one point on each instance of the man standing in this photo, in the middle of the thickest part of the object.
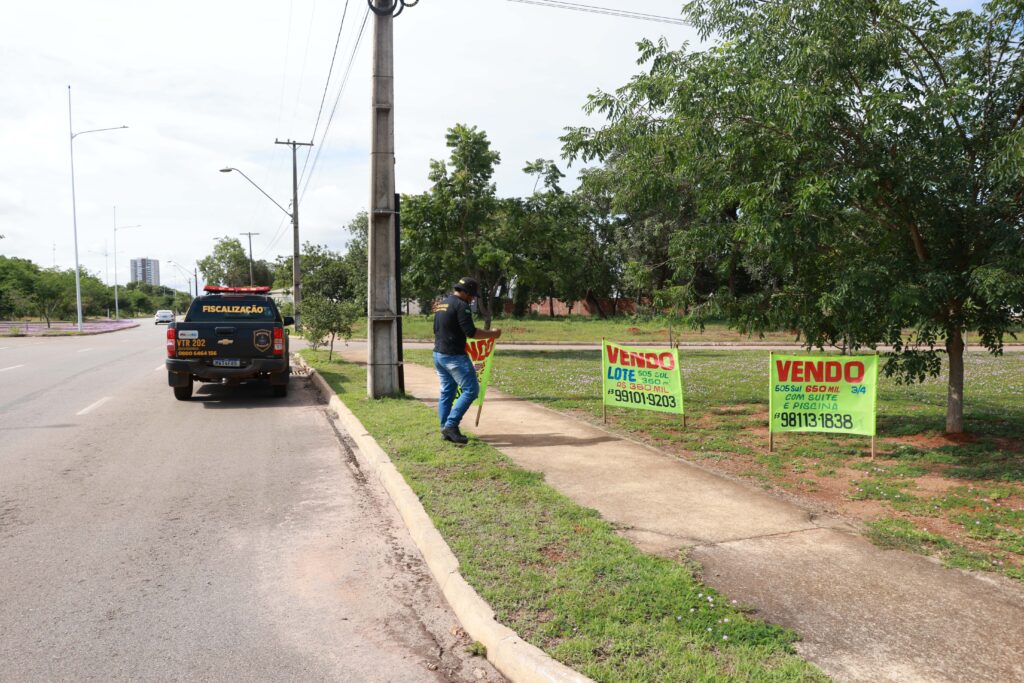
(453, 324)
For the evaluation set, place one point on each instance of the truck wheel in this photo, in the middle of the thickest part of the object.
(280, 390)
(184, 393)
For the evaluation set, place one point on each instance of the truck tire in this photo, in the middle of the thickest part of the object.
(280, 390)
(184, 393)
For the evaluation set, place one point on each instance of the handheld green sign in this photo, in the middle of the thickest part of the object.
(641, 378)
(481, 352)
(822, 394)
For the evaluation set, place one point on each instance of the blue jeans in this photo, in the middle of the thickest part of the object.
(455, 372)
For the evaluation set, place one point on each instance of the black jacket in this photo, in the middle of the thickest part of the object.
(453, 324)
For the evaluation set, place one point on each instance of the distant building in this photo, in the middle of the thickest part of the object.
(146, 270)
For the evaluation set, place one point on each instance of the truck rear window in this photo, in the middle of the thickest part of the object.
(233, 308)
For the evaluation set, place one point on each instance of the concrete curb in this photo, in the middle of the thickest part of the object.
(516, 659)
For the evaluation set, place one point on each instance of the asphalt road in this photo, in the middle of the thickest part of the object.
(231, 537)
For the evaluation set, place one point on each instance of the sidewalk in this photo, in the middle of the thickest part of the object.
(864, 614)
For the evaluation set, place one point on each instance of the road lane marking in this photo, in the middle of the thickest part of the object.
(84, 350)
(95, 405)
(13, 367)
(4, 348)
(159, 368)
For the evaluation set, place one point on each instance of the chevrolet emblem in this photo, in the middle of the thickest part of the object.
(225, 342)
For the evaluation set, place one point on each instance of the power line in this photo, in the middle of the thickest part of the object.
(337, 99)
(320, 111)
(330, 71)
(327, 127)
(594, 9)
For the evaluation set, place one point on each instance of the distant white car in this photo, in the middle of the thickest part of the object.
(164, 316)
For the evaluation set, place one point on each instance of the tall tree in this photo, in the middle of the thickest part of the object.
(53, 294)
(228, 265)
(354, 261)
(329, 274)
(17, 278)
(647, 188)
(560, 253)
(451, 230)
(862, 164)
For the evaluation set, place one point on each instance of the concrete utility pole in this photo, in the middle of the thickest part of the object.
(382, 373)
(296, 263)
(250, 234)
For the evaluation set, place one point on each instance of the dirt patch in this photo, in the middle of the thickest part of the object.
(825, 479)
(553, 553)
(1007, 444)
(934, 485)
(932, 441)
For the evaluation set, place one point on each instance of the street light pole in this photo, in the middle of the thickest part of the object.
(250, 234)
(117, 308)
(188, 278)
(74, 210)
(294, 215)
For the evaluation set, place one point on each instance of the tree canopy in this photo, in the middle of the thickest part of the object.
(528, 248)
(28, 290)
(228, 265)
(329, 274)
(855, 170)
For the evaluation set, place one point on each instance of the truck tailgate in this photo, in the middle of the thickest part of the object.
(228, 344)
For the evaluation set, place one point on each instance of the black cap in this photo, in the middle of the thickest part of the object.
(468, 285)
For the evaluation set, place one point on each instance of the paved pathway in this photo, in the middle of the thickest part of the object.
(864, 614)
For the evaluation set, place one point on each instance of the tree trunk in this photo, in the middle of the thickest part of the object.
(955, 396)
(551, 307)
(597, 304)
(485, 307)
(520, 301)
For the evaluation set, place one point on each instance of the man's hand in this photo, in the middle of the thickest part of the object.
(486, 334)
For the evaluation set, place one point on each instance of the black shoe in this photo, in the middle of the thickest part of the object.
(454, 435)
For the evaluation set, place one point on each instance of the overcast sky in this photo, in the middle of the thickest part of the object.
(203, 85)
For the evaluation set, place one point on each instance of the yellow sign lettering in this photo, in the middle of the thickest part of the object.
(247, 310)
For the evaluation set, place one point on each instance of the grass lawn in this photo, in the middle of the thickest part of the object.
(559, 575)
(582, 329)
(959, 499)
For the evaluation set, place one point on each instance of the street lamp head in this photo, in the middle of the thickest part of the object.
(226, 170)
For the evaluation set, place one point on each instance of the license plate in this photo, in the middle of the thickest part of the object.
(227, 363)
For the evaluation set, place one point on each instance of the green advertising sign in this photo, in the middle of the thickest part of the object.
(822, 394)
(481, 352)
(641, 378)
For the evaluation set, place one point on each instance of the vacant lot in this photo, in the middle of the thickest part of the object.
(960, 499)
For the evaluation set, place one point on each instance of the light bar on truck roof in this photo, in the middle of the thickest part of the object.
(217, 289)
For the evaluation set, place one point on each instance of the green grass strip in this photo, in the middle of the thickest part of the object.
(559, 575)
